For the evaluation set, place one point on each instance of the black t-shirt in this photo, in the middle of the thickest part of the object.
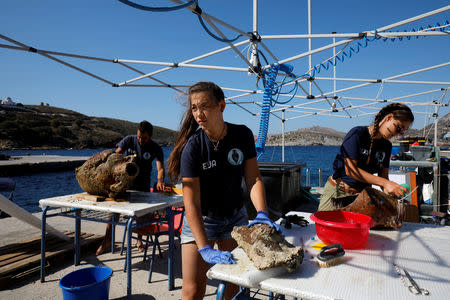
(356, 145)
(145, 154)
(220, 171)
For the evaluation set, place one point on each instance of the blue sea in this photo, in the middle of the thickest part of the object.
(31, 188)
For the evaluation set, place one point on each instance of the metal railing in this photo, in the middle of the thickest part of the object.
(308, 177)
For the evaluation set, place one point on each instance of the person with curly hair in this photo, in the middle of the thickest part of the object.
(366, 151)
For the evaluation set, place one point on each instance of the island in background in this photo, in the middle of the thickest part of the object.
(48, 127)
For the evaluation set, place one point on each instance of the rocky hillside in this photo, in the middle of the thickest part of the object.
(442, 128)
(315, 135)
(34, 126)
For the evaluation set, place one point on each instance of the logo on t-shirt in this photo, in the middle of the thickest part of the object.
(146, 156)
(379, 156)
(235, 157)
(364, 152)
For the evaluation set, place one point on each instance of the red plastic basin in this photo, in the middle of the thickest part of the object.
(349, 229)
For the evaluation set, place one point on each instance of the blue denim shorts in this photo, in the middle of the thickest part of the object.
(216, 229)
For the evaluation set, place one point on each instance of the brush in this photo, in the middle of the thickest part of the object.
(330, 255)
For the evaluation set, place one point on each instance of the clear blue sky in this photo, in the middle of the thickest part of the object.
(110, 29)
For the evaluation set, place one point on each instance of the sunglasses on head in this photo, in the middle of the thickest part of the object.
(400, 130)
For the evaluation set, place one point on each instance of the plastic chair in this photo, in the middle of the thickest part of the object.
(155, 230)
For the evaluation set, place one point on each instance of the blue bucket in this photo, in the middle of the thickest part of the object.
(86, 283)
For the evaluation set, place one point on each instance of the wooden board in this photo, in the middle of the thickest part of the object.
(22, 260)
(116, 199)
(96, 198)
(86, 196)
(18, 212)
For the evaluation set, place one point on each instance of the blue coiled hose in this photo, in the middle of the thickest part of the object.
(434, 27)
(364, 43)
(269, 90)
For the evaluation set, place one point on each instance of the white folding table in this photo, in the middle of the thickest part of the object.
(124, 214)
(422, 249)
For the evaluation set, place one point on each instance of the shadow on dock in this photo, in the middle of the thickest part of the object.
(21, 260)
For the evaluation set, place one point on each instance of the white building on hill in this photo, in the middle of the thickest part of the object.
(8, 101)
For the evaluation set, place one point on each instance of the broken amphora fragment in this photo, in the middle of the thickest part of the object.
(267, 248)
(107, 173)
(384, 209)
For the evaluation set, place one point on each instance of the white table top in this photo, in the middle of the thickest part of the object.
(143, 204)
(423, 250)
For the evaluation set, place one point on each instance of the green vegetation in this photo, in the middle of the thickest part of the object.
(53, 127)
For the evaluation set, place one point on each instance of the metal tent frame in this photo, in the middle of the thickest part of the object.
(312, 100)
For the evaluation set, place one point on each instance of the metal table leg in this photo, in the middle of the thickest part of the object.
(114, 219)
(129, 271)
(43, 237)
(171, 246)
(77, 243)
(221, 290)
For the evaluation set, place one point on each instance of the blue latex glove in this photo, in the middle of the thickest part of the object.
(263, 218)
(214, 256)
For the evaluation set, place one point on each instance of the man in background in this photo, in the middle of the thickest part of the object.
(146, 150)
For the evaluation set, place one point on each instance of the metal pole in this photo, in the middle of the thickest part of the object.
(114, 218)
(308, 177)
(334, 67)
(383, 80)
(392, 77)
(437, 181)
(43, 241)
(352, 35)
(221, 290)
(128, 258)
(186, 61)
(435, 115)
(416, 18)
(255, 15)
(171, 246)
(320, 177)
(254, 60)
(77, 240)
(177, 65)
(282, 135)
(309, 44)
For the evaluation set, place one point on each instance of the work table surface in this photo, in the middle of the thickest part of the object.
(423, 250)
(140, 204)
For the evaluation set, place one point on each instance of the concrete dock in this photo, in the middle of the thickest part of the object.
(13, 230)
(19, 165)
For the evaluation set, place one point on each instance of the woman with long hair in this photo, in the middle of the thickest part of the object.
(211, 161)
(366, 150)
